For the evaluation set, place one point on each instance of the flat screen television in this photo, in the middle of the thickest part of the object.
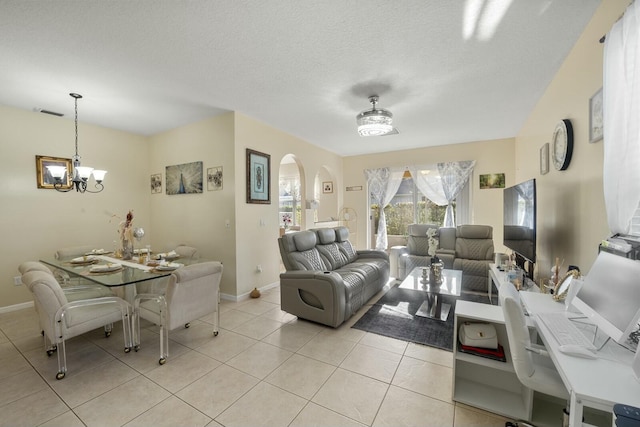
(519, 221)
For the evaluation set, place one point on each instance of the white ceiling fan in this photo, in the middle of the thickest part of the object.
(376, 121)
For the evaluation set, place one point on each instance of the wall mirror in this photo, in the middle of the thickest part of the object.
(562, 288)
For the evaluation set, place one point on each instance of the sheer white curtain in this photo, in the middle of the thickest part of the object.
(427, 179)
(454, 176)
(383, 184)
(621, 113)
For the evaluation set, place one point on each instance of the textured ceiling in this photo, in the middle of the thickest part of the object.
(451, 71)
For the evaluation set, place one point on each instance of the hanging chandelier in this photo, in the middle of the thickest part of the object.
(81, 174)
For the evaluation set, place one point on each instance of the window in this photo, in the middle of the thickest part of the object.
(289, 197)
(410, 206)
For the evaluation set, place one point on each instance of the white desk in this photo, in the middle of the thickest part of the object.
(497, 277)
(596, 383)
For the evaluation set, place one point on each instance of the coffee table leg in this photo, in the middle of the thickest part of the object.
(434, 308)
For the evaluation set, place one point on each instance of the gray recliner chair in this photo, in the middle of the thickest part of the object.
(474, 253)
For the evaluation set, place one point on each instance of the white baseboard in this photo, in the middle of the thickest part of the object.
(16, 307)
(246, 296)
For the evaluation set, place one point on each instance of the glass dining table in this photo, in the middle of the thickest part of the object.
(113, 272)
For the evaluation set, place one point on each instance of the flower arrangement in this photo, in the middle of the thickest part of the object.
(434, 241)
(125, 231)
(286, 220)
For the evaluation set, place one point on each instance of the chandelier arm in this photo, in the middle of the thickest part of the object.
(97, 185)
(58, 187)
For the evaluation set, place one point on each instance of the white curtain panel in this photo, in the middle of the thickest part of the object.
(621, 116)
(383, 184)
(427, 179)
(454, 176)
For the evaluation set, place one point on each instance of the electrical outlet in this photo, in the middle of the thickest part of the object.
(17, 280)
(259, 268)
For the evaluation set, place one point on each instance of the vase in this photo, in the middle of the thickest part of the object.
(127, 249)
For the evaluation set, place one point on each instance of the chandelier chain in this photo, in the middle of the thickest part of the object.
(76, 99)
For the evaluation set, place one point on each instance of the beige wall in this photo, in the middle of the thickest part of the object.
(35, 222)
(198, 220)
(257, 225)
(571, 212)
(491, 157)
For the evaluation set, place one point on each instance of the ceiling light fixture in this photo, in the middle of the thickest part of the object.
(374, 122)
(81, 174)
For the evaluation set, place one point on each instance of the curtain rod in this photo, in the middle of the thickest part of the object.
(602, 39)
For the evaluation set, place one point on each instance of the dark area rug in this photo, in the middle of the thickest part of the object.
(393, 315)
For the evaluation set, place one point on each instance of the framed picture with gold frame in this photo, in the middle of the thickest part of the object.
(43, 176)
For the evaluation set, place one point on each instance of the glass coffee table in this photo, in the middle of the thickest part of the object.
(433, 307)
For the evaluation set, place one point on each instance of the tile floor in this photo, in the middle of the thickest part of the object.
(265, 368)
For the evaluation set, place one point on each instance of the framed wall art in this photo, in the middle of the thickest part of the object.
(491, 180)
(214, 178)
(327, 187)
(184, 179)
(43, 176)
(595, 117)
(156, 183)
(258, 177)
(544, 159)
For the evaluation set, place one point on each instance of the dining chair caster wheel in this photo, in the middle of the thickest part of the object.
(162, 361)
(186, 325)
(127, 349)
(107, 334)
(136, 347)
(51, 350)
(60, 375)
(215, 333)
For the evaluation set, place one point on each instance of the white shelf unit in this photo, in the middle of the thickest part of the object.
(485, 383)
(492, 385)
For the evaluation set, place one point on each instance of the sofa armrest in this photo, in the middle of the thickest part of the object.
(314, 295)
(395, 253)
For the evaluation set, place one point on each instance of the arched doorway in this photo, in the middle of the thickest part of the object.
(290, 194)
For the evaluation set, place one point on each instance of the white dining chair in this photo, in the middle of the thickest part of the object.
(73, 293)
(62, 319)
(193, 291)
(188, 252)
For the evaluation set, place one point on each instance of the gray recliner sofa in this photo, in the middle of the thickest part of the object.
(327, 280)
(468, 248)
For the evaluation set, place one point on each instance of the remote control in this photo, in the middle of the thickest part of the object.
(627, 411)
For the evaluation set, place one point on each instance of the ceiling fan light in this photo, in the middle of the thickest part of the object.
(374, 122)
(374, 129)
